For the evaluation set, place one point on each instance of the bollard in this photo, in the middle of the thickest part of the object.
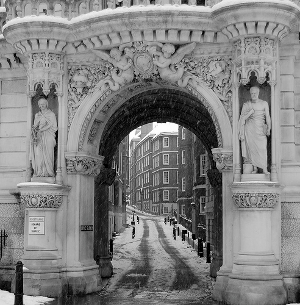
(178, 231)
(208, 252)
(133, 232)
(111, 246)
(19, 284)
(200, 247)
(174, 233)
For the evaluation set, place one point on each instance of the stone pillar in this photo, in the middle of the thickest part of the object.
(224, 213)
(101, 241)
(42, 257)
(81, 271)
(255, 277)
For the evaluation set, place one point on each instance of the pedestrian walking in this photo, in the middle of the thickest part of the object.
(165, 220)
(137, 219)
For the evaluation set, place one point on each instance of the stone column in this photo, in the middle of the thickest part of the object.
(255, 277)
(101, 241)
(81, 270)
(224, 163)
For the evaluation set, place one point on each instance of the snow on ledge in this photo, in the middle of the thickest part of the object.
(109, 11)
(227, 3)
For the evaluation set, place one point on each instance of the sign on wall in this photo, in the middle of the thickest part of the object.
(36, 225)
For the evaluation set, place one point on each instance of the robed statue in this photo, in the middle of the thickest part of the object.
(43, 141)
(253, 129)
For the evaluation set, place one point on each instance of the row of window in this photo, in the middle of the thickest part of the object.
(166, 195)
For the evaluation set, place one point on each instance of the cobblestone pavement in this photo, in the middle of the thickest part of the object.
(152, 268)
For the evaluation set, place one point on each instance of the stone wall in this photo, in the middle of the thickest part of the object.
(290, 248)
(12, 221)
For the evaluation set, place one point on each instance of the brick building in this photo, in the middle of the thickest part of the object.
(154, 168)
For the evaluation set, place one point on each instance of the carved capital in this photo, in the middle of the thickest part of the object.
(254, 199)
(223, 159)
(83, 164)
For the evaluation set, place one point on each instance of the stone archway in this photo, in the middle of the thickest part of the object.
(105, 119)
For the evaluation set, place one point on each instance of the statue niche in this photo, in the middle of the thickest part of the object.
(254, 127)
(43, 142)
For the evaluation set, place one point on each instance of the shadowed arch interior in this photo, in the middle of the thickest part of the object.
(160, 105)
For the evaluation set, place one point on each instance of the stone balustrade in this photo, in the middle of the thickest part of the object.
(71, 9)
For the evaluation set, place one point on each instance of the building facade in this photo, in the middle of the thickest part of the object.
(104, 72)
(154, 170)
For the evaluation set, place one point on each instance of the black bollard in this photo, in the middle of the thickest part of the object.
(178, 231)
(133, 232)
(19, 284)
(200, 247)
(208, 252)
(111, 246)
(174, 233)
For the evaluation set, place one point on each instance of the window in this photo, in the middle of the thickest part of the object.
(202, 165)
(202, 204)
(166, 142)
(177, 141)
(183, 184)
(165, 177)
(176, 176)
(166, 210)
(183, 210)
(183, 133)
(176, 158)
(166, 159)
(156, 145)
(183, 157)
(165, 195)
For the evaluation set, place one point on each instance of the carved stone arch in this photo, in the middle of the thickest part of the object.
(107, 101)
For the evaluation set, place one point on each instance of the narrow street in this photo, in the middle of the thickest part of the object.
(153, 268)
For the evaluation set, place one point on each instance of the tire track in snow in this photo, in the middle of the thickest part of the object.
(138, 276)
(185, 277)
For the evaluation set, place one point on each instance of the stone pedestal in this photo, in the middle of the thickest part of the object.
(42, 257)
(255, 277)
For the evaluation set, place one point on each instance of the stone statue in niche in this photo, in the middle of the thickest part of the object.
(253, 129)
(43, 141)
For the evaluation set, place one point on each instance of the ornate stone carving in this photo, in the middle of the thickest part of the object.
(93, 131)
(224, 160)
(145, 60)
(85, 165)
(216, 73)
(133, 89)
(255, 54)
(255, 199)
(82, 81)
(45, 69)
(42, 201)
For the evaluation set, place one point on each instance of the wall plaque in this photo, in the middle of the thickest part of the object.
(86, 228)
(36, 225)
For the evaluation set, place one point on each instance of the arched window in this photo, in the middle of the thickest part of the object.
(82, 8)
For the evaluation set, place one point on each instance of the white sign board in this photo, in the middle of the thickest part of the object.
(36, 225)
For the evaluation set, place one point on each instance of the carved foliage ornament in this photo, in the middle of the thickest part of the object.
(223, 161)
(45, 69)
(43, 201)
(83, 165)
(255, 199)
